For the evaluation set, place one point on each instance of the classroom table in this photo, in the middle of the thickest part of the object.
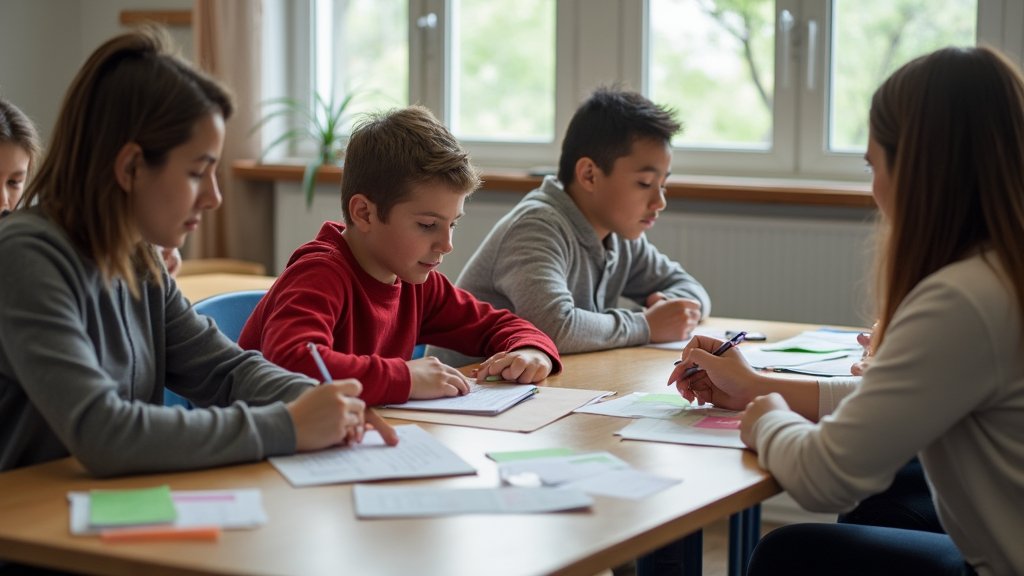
(199, 286)
(314, 530)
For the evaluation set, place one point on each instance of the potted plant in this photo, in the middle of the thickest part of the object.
(325, 122)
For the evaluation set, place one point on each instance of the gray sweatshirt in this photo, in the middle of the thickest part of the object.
(948, 385)
(544, 261)
(83, 369)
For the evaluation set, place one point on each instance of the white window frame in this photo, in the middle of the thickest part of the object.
(602, 42)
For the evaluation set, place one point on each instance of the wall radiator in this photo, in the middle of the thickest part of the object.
(796, 270)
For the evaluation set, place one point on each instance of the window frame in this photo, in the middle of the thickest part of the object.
(603, 42)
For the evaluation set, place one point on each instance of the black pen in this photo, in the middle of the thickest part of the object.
(721, 350)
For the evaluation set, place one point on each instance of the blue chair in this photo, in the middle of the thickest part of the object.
(230, 311)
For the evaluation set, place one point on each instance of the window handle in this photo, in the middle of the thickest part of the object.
(812, 53)
(428, 20)
(786, 22)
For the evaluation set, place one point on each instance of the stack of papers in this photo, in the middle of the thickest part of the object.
(822, 352)
(483, 399)
(418, 455)
(148, 507)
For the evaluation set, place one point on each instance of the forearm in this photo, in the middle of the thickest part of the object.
(801, 394)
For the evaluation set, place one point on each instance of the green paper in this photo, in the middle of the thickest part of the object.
(131, 507)
(529, 454)
(673, 399)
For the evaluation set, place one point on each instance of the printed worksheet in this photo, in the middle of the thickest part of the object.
(709, 427)
(419, 501)
(418, 455)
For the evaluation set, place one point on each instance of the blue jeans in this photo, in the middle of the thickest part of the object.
(839, 549)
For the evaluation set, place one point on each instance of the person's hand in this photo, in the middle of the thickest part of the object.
(671, 319)
(386, 431)
(328, 415)
(523, 365)
(859, 367)
(172, 260)
(755, 409)
(433, 379)
(727, 381)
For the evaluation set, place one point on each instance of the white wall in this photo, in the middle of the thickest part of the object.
(43, 43)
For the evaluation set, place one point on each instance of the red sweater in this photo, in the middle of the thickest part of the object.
(365, 329)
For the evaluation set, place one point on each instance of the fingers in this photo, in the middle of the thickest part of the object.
(386, 431)
(348, 386)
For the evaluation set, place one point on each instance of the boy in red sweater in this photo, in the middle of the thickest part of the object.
(366, 292)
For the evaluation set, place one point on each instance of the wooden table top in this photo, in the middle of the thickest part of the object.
(314, 530)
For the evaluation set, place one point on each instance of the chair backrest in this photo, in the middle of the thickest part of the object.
(230, 311)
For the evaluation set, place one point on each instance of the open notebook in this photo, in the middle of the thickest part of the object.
(483, 399)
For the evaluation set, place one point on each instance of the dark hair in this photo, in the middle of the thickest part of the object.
(131, 89)
(390, 151)
(951, 124)
(17, 129)
(605, 126)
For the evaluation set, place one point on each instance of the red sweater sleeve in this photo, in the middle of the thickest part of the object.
(453, 318)
(313, 301)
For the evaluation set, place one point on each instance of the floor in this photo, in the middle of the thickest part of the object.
(716, 550)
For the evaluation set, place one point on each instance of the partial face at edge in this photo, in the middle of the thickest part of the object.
(169, 199)
(881, 188)
(14, 162)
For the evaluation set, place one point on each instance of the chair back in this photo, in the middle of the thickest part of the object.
(230, 311)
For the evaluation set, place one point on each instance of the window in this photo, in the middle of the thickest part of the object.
(763, 87)
(783, 87)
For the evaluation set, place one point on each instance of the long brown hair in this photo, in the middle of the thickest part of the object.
(951, 124)
(132, 89)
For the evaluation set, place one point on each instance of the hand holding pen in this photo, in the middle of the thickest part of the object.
(718, 352)
(341, 392)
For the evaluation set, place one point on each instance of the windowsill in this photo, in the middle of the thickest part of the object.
(707, 188)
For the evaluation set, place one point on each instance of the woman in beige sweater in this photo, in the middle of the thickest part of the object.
(947, 381)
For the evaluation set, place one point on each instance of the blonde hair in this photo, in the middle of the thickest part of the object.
(951, 124)
(131, 89)
(17, 129)
(390, 151)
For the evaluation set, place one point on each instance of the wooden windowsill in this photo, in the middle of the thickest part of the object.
(718, 189)
(165, 17)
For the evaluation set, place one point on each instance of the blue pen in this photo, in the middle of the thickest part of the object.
(721, 350)
(324, 374)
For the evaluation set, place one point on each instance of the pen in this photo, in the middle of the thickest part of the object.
(721, 350)
(324, 374)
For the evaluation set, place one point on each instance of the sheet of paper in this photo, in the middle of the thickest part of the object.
(548, 405)
(513, 455)
(834, 367)
(759, 358)
(418, 455)
(680, 344)
(561, 469)
(415, 501)
(817, 341)
(630, 484)
(640, 405)
(132, 507)
(712, 427)
(229, 509)
(483, 399)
